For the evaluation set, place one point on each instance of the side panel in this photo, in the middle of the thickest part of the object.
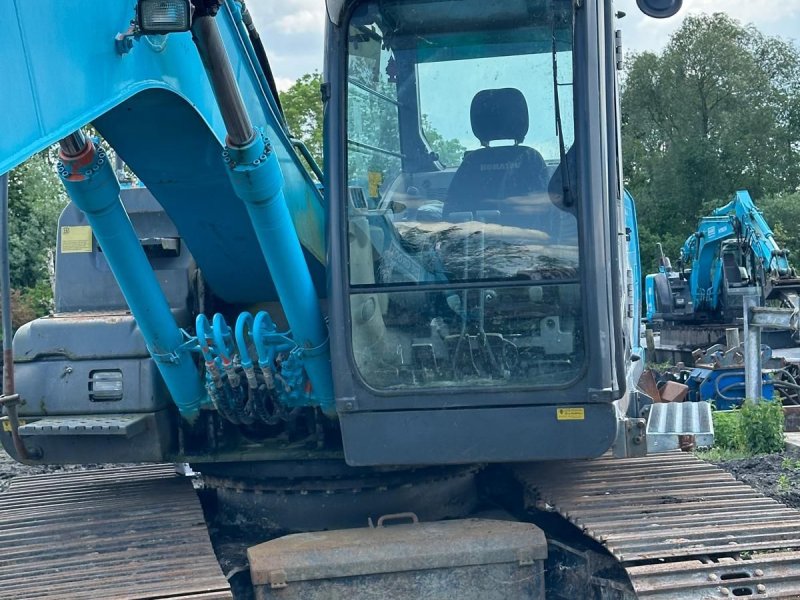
(463, 436)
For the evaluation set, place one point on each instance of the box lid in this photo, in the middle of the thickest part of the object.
(392, 549)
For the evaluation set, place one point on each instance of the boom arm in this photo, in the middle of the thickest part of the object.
(150, 100)
(757, 234)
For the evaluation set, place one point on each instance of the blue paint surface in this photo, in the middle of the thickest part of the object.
(155, 107)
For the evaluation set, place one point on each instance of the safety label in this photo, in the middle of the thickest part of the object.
(570, 414)
(76, 239)
(7, 425)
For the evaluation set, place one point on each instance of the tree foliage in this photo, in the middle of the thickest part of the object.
(35, 200)
(451, 152)
(302, 107)
(782, 212)
(718, 110)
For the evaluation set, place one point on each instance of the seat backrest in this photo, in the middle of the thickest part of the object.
(491, 174)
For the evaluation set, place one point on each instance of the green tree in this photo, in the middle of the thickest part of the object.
(782, 213)
(302, 107)
(451, 152)
(718, 110)
(35, 200)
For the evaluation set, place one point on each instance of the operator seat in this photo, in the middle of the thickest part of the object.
(490, 175)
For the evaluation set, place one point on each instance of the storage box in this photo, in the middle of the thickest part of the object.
(467, 559)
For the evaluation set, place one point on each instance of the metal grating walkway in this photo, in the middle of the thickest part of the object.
(132, 533)
(680, 527)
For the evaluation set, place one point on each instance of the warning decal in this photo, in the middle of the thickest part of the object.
(76, 239)
(570, 414)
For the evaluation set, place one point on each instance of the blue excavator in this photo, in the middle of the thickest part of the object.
(733, 252)
(401, 311)
(327, 345)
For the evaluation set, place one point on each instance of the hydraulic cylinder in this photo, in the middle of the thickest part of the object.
(91, 184)
(258, 181)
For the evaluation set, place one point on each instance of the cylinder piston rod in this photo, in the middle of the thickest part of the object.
(223, 81)
(93, 187)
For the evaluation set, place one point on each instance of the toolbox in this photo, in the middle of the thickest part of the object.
(464, 559)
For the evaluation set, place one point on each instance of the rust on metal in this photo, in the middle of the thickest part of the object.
(680, 527)
(8, 371)
(135, 533)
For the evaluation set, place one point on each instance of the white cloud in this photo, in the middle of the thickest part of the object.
(302, 21)
(770, 16)
(292, 30)
(284, 83)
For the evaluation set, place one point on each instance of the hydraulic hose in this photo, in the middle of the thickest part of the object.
(261, 55)
(257, 179)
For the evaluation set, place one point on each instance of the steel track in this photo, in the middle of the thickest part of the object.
(136, 533)
(681, 528)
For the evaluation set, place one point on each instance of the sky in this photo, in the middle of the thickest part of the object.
(292, 30)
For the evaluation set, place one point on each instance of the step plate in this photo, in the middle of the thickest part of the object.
(122, 425)
(135, 533)
(681, 527)
(670, 422)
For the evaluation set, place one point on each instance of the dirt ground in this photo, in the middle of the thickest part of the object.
(775, 475)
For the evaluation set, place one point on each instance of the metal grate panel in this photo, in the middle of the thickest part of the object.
(681, 528)
(134, 533)
(667, 422)
(124, 425)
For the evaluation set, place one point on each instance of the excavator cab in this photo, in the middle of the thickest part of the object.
(472, 229)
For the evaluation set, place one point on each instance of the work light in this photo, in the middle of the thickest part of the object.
(164, 16)
(105, 386)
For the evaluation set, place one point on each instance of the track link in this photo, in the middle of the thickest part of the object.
(681, 528)
(136, 533)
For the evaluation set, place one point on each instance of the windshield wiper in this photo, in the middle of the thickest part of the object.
(567, 201)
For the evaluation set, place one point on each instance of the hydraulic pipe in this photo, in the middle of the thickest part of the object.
(91, 184)
(257, 179)
(10, 399)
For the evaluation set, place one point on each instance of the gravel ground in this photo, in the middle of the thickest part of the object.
(10, 468)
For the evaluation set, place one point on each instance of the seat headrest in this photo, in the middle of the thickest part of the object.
(499, 115)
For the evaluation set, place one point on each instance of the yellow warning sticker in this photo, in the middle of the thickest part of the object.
(7, 425)
(76, 239)
(570, 414)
